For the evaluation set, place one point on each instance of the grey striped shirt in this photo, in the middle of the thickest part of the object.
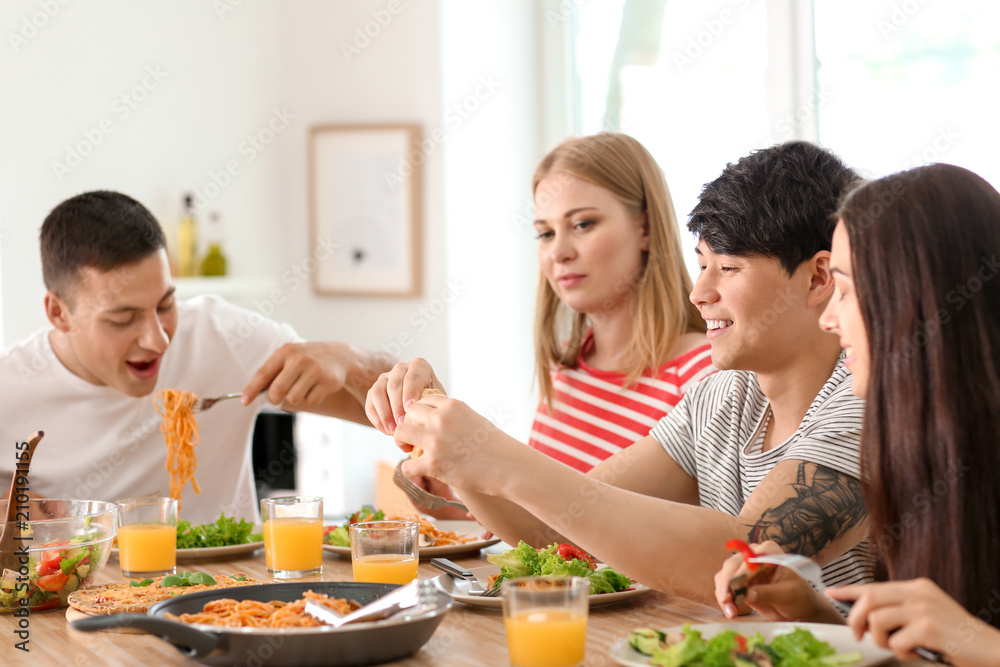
(711, 434)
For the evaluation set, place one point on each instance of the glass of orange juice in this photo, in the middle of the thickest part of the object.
(147, 536)
(546, 620)
(293, 536)
(385, 552)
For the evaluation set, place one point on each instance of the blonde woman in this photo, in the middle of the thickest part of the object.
(617, 341)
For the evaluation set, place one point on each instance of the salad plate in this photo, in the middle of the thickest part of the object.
(206, 553)
(467, 528)
(838, 636)
(460, 590)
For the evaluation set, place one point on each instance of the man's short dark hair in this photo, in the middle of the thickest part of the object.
(777, 202)
(102, 230)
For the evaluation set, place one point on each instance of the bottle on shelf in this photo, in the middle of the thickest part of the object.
(187, 240)
(214, 263)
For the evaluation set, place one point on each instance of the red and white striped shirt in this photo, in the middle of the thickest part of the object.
(593, 416)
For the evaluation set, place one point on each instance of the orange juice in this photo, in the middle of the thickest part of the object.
(546, 638)
(386, 569)
(147, 547)
(293, 543)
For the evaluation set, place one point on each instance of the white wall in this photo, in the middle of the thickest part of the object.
(492, 96)
(389, 73)
(195, 86)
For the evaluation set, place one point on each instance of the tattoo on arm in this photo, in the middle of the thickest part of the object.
(826, 506)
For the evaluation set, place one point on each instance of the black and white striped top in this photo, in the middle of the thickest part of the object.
(712, 431)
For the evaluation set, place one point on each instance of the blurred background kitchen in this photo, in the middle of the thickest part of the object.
(155, 99)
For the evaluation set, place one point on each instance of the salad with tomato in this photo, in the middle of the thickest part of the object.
(731, 649)
(54, 571)
(557, 560)
(339, 536)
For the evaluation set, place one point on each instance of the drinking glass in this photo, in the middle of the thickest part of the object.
(385, 552)
(147, 536)
(293, 536)
(546, 620)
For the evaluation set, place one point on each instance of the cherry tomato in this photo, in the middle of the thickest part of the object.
(48, 567)
(569, 552)
(52, 582)
(741, 643)
(743, 548)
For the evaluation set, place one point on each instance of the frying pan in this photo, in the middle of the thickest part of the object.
(355, 644)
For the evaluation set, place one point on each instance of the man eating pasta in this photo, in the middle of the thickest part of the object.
(119, 335)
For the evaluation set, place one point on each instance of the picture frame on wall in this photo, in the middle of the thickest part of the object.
(364, 205)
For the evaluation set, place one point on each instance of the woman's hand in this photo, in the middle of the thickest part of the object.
(902, 615)
(460, 447)
(777, 594)
(394, 392)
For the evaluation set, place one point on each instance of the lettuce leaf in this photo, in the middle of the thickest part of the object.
(224, 532)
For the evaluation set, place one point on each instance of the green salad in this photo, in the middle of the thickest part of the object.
(558, 560)
(338, 535)
(224, 532)
(731, 649)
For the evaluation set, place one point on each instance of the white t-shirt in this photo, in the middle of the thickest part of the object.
(101, 444)
(714, 435)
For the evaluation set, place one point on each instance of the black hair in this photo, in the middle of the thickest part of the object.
(102, 230)
(777, 202)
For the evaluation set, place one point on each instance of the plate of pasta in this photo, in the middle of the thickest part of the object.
(441, 537)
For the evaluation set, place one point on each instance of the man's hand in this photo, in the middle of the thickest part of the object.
(777, 594)
(328, 378)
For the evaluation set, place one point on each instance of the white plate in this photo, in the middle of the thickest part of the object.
(838, 636)
(460, 527)
(459, 590)
(207, 553)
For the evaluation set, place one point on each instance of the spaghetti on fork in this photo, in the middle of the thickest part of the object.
(180, 430)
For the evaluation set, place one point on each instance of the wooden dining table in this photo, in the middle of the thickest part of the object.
(467, 636)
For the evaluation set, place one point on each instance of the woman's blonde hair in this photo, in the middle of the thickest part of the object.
(661, 309)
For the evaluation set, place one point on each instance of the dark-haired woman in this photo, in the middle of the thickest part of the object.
(917, 308)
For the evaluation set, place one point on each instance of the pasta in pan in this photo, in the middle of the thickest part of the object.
(180, 430)
(274, 614)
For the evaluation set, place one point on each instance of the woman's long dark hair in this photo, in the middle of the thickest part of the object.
(925, 246)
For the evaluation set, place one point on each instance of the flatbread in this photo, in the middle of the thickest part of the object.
(123, 598)
(416, 451)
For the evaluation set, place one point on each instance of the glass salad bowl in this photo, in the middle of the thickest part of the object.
(68, 543)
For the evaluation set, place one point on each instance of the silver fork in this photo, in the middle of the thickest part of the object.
(203, 404)
(805, 567)
(810, 570)
(421, 497)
